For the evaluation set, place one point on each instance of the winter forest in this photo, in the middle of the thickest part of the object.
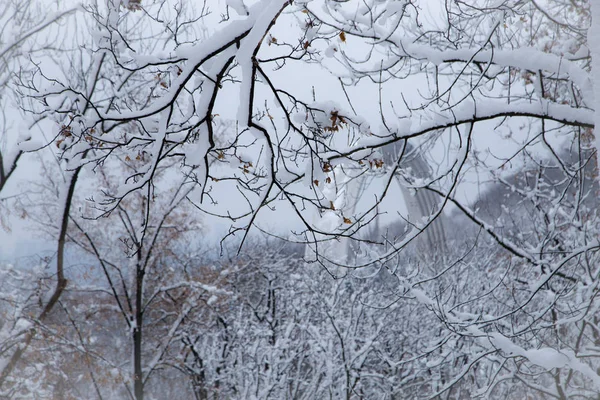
(299, 199)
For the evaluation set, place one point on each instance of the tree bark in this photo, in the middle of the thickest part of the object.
(138, 382)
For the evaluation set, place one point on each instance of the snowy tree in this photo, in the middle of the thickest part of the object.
(319, 108)
(23, 33)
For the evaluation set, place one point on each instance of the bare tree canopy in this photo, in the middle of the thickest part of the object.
(269, 199)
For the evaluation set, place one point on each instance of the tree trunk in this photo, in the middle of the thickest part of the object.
(138, 383)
